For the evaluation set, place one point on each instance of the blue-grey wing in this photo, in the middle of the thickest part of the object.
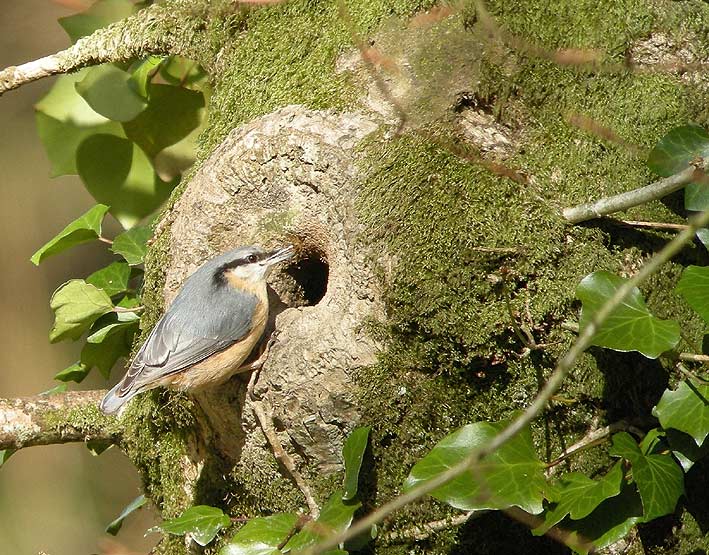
(183, 337)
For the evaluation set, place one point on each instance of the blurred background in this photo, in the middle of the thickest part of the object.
(55, 499)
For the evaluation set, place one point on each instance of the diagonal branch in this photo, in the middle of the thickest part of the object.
(51, 419)
(166, 28)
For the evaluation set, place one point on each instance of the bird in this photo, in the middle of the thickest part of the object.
(217, 318)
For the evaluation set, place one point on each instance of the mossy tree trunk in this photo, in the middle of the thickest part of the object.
(422, 162)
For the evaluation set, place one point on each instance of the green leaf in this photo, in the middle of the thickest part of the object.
(108, 346)
(127, 319)
(335, 516)
(74, 373)
(612, 519)
(677, 149)
(76, 305)
(107, 90)
(100, 14)
(659, 479)
(63, 103)
(511, 476)
(685, 409)
(181, 71)
(201, 522)
(703, 236)
(353, 452)
(113, 279)
(674, 153)
(142, 72)
(579, 496)
(6, 454)
(685, 449)
(62, 139)
(59, 388)
(170, 116)
(631, 326)
(84, 229)
(134, 505)
(694, 287)
(132, 245)
(119, 174)
(261, 535)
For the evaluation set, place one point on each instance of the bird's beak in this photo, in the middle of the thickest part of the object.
(279, 255)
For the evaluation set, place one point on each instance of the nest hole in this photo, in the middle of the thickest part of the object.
(310, 274)
(303, 282)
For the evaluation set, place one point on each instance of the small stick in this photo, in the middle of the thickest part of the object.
(265, 422)
(423, 531)
(623, 201)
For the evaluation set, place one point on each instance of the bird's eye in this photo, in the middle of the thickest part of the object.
(252, 258)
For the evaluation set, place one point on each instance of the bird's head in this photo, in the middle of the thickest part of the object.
(250, 265)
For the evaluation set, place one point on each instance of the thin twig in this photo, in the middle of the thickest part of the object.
(691, 357)
(656, 225)
(154, 30)
(265, 422)
(421, 532)
(105, 240)
(563, 367)
(623, 201)
(591, 439)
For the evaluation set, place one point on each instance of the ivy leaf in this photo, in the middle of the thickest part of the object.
(631, 326)
(141, 73)
(113, 279)
(181, 71)
(64, 104)
(659, 479)
(674, 152)
(170, 116)
(685, 409)
(108, 347)
(74, 373)
(114, 527)
(580, 495)
(513, 472)
(118, 173)
(353, 453)
(685, 449)
(76, 305)
(59, 388)
(335, 516)
(126, 319)
(201, 522)
(84, 229)
(62, 139)
(100, 14)
(694, 287)
(261, 535)
(107, 90)
(612, 519)
(132, 245)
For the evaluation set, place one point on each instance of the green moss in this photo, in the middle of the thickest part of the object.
(286, 54)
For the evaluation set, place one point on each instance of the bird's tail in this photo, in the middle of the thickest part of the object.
(113, 401)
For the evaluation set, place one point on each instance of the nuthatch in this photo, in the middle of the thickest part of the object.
(211, 327)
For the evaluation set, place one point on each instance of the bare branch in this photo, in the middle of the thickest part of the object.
(51, 419)
(154, 30)
(626, 200)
